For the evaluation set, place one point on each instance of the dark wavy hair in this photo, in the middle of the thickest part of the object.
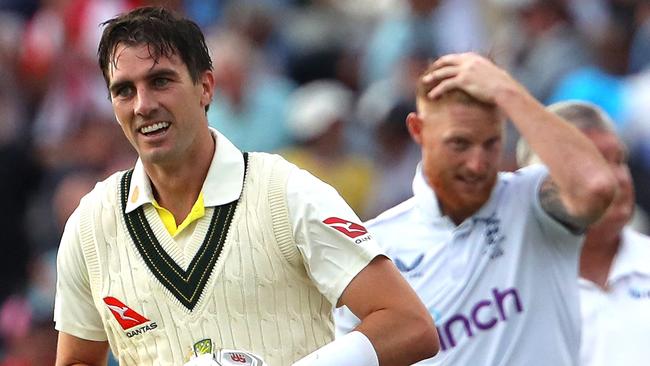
(163, 31)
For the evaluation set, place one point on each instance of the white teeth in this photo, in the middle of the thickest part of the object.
(154, 127)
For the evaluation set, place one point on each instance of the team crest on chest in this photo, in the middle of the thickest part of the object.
(494, 237)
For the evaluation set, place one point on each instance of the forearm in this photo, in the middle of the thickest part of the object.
(394, 320)
(399, 348)
(585, 182)
(60, 362)
(73, 351)
(407, 332)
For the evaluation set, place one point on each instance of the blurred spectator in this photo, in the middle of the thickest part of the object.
(426, 27)
(614, 273)
(318, 114)
(396, 156)
(55, 120)
(601, 82)
(61, 67)
(377, 99)
(256, 20)
(30, 342)
(637, 134)
(26, 317)
(547, 47)
(640, 48)
(249, 104)
(319, 36)
(24, 8)
(20, 174)
(12, 106)
(204, 13)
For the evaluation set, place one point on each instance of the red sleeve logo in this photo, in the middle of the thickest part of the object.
(126, 316)
(348, 228)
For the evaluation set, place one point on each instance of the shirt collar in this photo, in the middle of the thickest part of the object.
(428, 202)
(222, 185)
(632, 256)
(426, 198)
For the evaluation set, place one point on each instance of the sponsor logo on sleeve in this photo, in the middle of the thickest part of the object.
(348, 228)
(128, 318)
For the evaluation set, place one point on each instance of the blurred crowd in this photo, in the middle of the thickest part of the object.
(325, 83)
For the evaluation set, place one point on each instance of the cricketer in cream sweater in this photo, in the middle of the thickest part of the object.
(258, 296)
(256, 254)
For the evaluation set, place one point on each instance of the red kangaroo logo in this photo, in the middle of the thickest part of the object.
(126, 316)
(348, 228)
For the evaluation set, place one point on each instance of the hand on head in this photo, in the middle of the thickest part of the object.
(469, 72)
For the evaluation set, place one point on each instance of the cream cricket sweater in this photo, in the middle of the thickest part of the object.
(258, 296)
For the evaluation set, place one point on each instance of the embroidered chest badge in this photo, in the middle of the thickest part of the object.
(493, 236)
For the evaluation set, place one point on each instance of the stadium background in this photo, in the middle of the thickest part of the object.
(326, 83)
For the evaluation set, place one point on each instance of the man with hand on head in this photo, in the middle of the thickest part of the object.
(615, 259)
(201, 249)
(493, 255)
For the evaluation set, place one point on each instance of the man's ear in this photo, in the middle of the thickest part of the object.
(414, 125)
(207, 84)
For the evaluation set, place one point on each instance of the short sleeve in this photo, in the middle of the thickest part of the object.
(334, 245)
(555, 231)
(74, 310)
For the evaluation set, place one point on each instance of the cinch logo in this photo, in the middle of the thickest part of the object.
(348, 228)
(458, 324)
(127, 317)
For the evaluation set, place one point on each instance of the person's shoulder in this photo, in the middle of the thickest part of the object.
(270, 163)
(531, 172)
(638, 242)
(396, 215)
(522, 182)
(104, 191)
(635, 251)
(267, 158)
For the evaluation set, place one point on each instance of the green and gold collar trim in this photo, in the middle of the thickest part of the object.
(185, 285)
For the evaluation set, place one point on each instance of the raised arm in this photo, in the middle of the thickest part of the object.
(580, 186)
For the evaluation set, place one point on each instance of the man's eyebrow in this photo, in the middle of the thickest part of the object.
(163, 72)
(116, 86)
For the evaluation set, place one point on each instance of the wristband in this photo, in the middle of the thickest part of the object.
(353, 349)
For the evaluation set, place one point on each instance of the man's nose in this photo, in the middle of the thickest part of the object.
(477, 161)
(145, 102)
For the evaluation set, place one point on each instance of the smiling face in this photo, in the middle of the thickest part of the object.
(461, 148)
(160, 109)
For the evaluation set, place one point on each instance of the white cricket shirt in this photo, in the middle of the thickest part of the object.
(333, 250)
(501, 286)
(616, 322)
